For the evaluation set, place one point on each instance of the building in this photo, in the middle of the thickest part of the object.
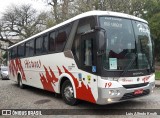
(5, 45)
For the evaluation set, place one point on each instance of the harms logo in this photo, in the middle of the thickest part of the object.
(127, 80)
(32, 64)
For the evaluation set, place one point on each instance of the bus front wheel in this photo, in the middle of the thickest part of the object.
(68, 93)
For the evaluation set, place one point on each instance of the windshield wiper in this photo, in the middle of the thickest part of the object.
(129, 65)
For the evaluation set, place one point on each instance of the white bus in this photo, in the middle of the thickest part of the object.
(99, 56)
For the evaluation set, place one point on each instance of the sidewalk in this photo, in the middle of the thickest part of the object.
(157, 83)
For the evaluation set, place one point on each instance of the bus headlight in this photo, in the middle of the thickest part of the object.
(114, 92)
(117, 92)
(111, 92)
(110, 79)
(115, 79)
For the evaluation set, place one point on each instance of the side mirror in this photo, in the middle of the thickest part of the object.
(101, 42)
(101, 37)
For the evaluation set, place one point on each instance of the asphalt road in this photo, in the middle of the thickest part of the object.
(12, 97)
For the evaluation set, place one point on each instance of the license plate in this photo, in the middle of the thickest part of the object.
(139, 91)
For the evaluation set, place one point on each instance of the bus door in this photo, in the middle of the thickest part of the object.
(88, 52)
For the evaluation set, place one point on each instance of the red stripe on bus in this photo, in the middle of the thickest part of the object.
(49, 80)
(15, 66)
(60, 72)
(82, 92)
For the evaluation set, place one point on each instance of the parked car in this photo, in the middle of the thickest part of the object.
(4, 72)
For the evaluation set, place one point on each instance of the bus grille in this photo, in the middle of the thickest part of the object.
(135, 85)
(131, 95)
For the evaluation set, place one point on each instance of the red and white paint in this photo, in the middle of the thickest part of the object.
(45, 72)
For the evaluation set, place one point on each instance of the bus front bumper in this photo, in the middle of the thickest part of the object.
(113, 95)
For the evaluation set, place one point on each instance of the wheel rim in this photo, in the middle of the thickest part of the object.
(68, 93)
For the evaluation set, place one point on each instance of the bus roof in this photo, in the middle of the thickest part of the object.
(89, 13)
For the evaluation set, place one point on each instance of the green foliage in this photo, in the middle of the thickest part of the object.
(5, 55)
(154, 23)
(152, 15)
(157, 75)
(50, 22)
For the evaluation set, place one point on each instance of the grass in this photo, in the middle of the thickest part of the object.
(157, 75)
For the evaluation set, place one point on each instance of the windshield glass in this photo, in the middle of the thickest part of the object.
(126, 40)
(4, 69)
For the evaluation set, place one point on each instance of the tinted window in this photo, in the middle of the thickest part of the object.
(39, 48)
(84, 25)
(41, 45)
(62, 37)
(30, 48)
(60, 40)
(13, 53)
(21, 50)
(52, 41)
(45, 44)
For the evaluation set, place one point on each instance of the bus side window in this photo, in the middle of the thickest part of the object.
(13, 52)
(39, 49)
(30, 48)
(45, 44)
(84, 25)
(60, 40)
(20, 50)
(62, 37)
(52, 41)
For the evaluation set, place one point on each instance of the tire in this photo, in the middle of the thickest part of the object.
(68, 93)
(20, 84)
(2, 77)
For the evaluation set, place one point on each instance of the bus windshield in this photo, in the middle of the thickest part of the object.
(126, 41)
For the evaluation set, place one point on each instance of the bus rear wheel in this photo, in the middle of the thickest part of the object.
(20, 84)
(68, 93)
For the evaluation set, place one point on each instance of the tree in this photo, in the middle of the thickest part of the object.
(61, 9)
(152, 15)
(3, 35)
(22, 22)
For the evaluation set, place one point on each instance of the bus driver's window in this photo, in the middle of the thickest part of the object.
(88, 52)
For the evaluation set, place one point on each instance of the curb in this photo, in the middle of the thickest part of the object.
(157, 85)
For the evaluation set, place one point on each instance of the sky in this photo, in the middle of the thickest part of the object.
(40, 5)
